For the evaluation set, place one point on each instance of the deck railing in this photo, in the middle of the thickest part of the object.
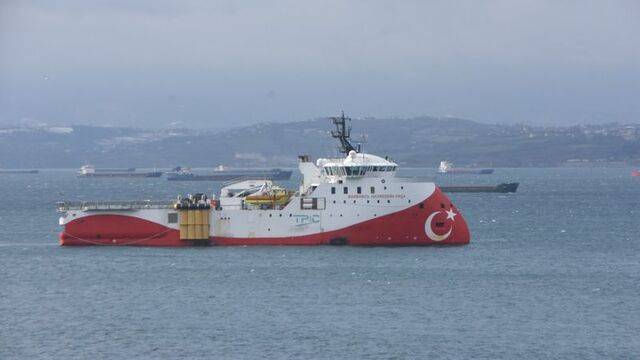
(113, 205)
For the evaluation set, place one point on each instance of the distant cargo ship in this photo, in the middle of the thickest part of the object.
(18, 171)
(223, 174)
(446, 167)
(118, 170)
(91, 171)
(500, 188)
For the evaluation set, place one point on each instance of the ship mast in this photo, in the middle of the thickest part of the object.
(342, 132)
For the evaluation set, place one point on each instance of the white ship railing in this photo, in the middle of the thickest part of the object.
(113, 205)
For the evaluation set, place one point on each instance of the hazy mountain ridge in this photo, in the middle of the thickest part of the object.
(420, 141)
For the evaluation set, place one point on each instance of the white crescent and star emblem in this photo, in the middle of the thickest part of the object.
(428, 228)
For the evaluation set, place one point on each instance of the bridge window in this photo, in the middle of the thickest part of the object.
(333, 190)
(372, 190)
(359, 190)
(345, 190)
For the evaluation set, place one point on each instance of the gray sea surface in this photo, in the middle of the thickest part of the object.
(552, 271)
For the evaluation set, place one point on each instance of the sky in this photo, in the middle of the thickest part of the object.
(211, 64)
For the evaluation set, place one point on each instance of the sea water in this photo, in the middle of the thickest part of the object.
(552, 271)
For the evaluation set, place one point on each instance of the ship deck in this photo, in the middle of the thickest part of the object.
(113, 205)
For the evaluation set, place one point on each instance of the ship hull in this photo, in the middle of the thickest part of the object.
(469, 171)
(123, 174)
(117, 229)
(425, 223)
(18, 171)
(500, 188)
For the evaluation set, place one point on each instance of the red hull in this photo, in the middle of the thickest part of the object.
(403, 228)
(103, 229)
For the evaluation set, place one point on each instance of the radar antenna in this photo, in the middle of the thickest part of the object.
(342, 132)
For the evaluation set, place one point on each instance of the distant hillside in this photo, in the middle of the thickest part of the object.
(420, 141)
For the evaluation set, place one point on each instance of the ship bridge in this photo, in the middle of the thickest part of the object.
(354, 166)
(357, 165)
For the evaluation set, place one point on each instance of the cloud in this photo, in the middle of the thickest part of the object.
(262, 47)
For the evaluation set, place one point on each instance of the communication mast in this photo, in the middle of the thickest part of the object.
(342, 132)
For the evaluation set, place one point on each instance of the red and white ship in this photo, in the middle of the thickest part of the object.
(354, 200)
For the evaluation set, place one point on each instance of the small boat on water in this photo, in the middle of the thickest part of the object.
(18, 171)
(92, 172)
(446, 167)
(635, 173)
(221, 173)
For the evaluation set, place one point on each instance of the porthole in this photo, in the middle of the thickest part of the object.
(383, 181)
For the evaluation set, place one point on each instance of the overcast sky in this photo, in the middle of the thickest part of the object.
(159, 63)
